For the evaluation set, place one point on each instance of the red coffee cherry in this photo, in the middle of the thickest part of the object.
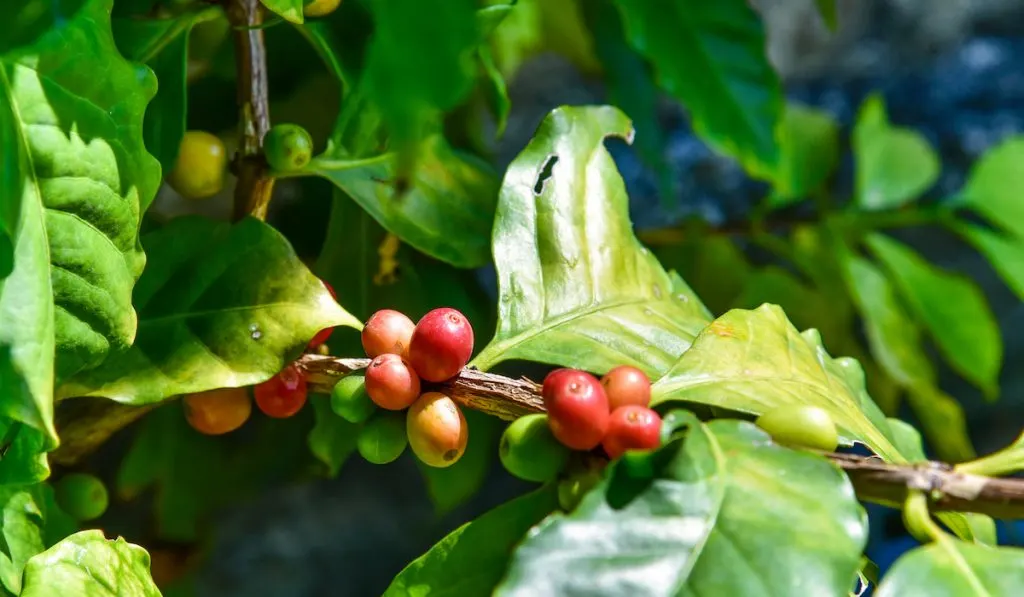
(387, 331)
(577, 408)
(322, 336)
(437, 430)
(283, 395)
(632, 427)
(626, 385)
(391, 383)
(441, 344)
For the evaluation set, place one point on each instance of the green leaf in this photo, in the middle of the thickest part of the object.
(332, 439)
(420, 60)
(1002, 251)
(24, 460)
(289, 10)
(450, 487)
(495, 89)
(220, 305)
(952, 568)
(755, 361)
(808, 154)
(446, 213)
(894, 165)
(89, 565)
(907, 440)
(75, 174)
(711, 57)
(22, 533)
(993, 183)
(951, 307)
(471, 559)
(675, 533)
(712, 263)
(631, 86)
(162, 44)
(808, 308)
(576, 287)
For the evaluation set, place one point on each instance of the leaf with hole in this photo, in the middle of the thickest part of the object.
(711, 56)
(576, 287)
(220, 306)
(90, 565)
(756, 361)
(476, 553)
(953, 309)
(668, 523)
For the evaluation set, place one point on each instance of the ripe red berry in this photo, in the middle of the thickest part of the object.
(441, 344)
(387, 331)
(632, 427)
(283, 395)
(577, 408)
(391, 383)
(626, 385)
(322, 336)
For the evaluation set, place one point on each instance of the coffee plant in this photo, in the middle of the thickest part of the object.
(694, 434)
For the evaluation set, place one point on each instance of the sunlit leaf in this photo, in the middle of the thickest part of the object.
(993, 183)
(950, 568)
(89, 565)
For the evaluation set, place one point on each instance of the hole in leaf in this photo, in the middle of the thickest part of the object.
(545, 174)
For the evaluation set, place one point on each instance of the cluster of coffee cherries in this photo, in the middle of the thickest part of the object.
(387, 398)
(583, 413)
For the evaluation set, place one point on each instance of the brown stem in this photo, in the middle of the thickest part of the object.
(89, 422)
(254, 187)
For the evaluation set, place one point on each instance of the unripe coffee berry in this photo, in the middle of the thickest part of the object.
(437, 430)
(801, 426)
(287, 147)
(383, 438)
(81, 495)
(350, 401)
(219, 411)
(283, 395)
(387, 331)
(577, 408)
(441, 344)
(530, 451)
(626, 384)
(631, 427)
(391, 383)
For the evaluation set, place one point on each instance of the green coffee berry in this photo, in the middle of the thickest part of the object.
(288, 147)
(82, 496)
(350, 401)
(530, 451)
(801, 425)
(383, 438)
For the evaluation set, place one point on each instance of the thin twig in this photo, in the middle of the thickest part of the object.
(254, 187)
(84, 424)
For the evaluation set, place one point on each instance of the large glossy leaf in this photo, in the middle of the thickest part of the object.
(1002, 251)
(992, 186)
(446, 213)
(74, 175)
(949, 568)
(953, 309)
(809, 152)
(470, 560)
(711, 57)
(88, 565)
(576, 287)
(220, 305)
(162, 44)
(754, 361)
(894, 165)
(722, 501)
(895, 341)
(30, 522)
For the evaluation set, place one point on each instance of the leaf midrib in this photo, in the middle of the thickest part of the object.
(208, 312)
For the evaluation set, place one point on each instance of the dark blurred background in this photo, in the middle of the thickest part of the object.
(953, 70)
